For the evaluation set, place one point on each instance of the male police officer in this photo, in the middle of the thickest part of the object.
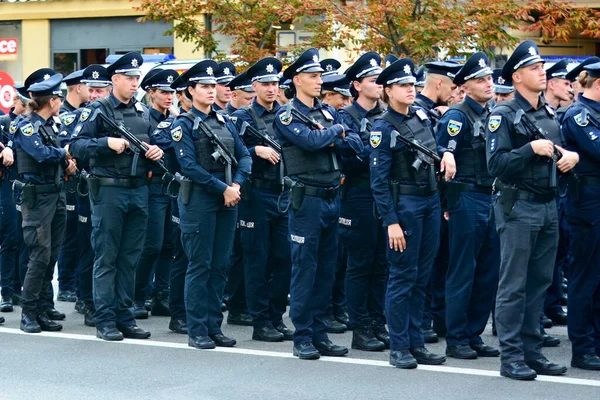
(119, 195)
(522, 138)
(474, 248)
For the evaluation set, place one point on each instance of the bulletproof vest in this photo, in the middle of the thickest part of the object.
(261, 168)
(129, 163)
(27, 165)
(205, 148)
(471, 160)
(540, 171)
(409, 165)
(319, 166)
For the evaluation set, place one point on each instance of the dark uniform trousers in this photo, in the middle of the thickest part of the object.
(178, 268)
(9, 239)
(67, 257)
(473, 268)
(235, 288)
(435, 300)
(528, 240)
(365, 241)
(157, 255)
(264, 234)
(23, 254)
(119, 221)
(419, 217)
(584, 276)
(43, 233)
(555, 292)
(85, 256)
(207, 231)
(313, 229)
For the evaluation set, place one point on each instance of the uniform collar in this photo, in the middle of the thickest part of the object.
(430, 103)
(230, 108)
(526, 105)
(199, 113)
(35, 117)
(68, 106)
(399, 116)
(116, 102)
(475, 106)
(589, 102)
(260, 110)
(157, 115)
(303, 107)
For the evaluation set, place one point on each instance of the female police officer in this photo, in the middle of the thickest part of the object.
(405, 191)
(580, 129)
(207, 146)
(41, 162)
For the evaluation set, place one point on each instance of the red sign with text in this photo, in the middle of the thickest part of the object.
(9, 49)
(7, 91)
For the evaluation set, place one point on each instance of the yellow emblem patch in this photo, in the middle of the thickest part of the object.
(494, 123)
(177, 134)
(67, 119)
(27, 129)
(85, 114)
(454, 127)
(375, 139)
(284, 120)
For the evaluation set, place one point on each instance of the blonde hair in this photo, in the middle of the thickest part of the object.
(585, 80)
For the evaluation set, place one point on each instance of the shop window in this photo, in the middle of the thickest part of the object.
(65, 63)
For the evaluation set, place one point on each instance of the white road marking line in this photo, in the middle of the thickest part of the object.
(263, 353)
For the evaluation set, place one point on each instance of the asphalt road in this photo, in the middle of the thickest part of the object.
(73, 364)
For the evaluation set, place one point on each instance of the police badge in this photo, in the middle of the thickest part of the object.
(494, 123)
(375, 139)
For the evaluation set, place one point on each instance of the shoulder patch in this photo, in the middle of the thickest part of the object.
(454, 127)
(12, 128)
(67, 118)
(27, 129)
(85, 114)
(375, 139)
(284, 120)
(494, 123)
(421, 114)
(177, 134)
(164, 124)
(581, 120)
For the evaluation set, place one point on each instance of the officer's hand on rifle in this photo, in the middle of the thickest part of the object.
(448, 165)
(232, 195)
(267, 153)
(7, 157)
(154, 153)
(568, 160)
(117, 144)
(397, 239)
(542, 147)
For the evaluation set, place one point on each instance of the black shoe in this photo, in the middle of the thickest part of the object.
(546, 322)
(148, 305)
(288, 334)
(517, 370)
(333, 325)
(55, 315)
(82, 307)
(423, 356)
(563, 300)
(559, 318)
(588, 361)
(16, 299)
(306, 351)
(363, 337)
(201, 342)
(47, 324)
(439, 326)
(223, 307)
(139, 310)
(29, 324)
(326, 348)
(429, 335)
(2, 320)
(402, 359)
(178, 326)
(342, 318)
(222, 340)
(239, 318)
(550, 341)
(462, 352)
(67, 295)
(544, 367)
(267, 334)
(109, 333)
(381, 333)
(484, 350)
(6, 305)
(134, 332)
(88, 318)
(160, 304)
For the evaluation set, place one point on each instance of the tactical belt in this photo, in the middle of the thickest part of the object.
(589, 180)
(157, 179)
(269, 186)
(47, 188)
(399, 189)
(325, 193)
(132, 183)
(521, 194)
(466, 187)
(358, 181)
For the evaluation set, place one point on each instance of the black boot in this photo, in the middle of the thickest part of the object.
(160, 304)
(381, 333)
(363, 337)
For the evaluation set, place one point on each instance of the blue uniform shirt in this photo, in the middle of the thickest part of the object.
(582, 136)
(186, 155)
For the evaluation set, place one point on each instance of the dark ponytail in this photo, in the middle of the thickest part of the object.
(38, 103)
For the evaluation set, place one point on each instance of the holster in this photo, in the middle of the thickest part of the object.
(507, 198)
(28, 193)
(450, 193)
(93, 183)
(185, 190)
(574, 187)
(297, 196)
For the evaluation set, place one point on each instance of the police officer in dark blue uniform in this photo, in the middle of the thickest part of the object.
(502, 91)
(242, 93)
(77, 96)
(310, 154)
(474, 247)
(360, 230)
(224, 74)
(405, 191)
(420, 76)
(263, 224)
(217, 167)
(119, 196)
(522, 136)
(580, 127)
(157, 255)
(41, 164)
